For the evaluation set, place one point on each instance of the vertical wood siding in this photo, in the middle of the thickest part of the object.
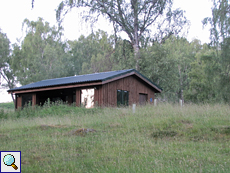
(104, 95)
(132, 84)
(19, 101)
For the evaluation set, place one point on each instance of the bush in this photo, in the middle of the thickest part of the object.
(54, 109)
(3, 115)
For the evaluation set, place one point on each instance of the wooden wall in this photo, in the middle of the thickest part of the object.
(18, 101)
(104, 95)
(132, 84)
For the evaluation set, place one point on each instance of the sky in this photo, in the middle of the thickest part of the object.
(13, 12)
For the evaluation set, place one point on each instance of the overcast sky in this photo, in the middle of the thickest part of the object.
(13, 12)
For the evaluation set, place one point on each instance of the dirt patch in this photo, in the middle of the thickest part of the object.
(187, 123)
(122, 115)
(163, 133)
(81, 131)
(4, 136)
(44, 126)
(25, 162)
(38, 158)
(113, 125)
(221, 129)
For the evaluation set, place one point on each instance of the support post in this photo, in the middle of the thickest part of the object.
(78, 97)
(181, 102)
(19, 101)
(134, 108)
(34, 100)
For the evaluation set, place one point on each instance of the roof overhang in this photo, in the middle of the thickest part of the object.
(88, 84)
(55, 87)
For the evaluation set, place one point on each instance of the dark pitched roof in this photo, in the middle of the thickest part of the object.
(94, 77)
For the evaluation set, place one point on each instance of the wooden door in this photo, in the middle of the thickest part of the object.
(142, 99)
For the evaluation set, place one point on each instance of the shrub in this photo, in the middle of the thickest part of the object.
(3, 115)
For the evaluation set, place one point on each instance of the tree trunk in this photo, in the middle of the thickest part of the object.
(181, 84)
(9, 84)
(13, 98)
(137, 55)
(136, 35)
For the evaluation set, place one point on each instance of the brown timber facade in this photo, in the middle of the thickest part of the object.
(107, 90)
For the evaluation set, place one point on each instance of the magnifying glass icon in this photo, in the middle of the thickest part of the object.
(9, 160)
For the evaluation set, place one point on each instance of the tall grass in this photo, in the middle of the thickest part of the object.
(166, 138)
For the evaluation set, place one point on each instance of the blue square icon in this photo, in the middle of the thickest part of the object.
(10, 161)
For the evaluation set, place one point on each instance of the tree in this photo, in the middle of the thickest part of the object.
(220, 21)
(204, 77)
(92, 53)
(42, 55)
(220, 36)
(123, 55)
(4, 52)
(98, 52)
(5, 71)
(134, 17)
(168, 65)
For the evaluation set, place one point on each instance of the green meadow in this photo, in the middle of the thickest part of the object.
(165, 138)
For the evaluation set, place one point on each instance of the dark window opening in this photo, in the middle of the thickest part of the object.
(26, 100)
(122, 98)
(74, 98)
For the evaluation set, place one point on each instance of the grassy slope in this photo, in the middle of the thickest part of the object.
(8, 105)
(165, 138)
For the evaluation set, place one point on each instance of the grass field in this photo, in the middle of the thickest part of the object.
(9, 105)
(166, 138)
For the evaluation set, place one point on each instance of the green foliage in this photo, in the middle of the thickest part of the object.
(220, 36)
(96, 53)
(204, 79)
(4, 50)
(3, 114)
(41, 54)
(9, 105)
(185, 70)
(52, 109)
(123, 55)
(92, 54)
(5, 70)
(219, 21)
(225, 68)
(168, 65)
(133, 17)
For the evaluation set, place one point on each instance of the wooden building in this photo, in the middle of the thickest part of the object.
(114, 88)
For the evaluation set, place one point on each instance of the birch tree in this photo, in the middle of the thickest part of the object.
(41, 55)
(5, 71)
(134, 17)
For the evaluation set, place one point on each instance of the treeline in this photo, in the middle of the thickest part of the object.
(185, 70)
